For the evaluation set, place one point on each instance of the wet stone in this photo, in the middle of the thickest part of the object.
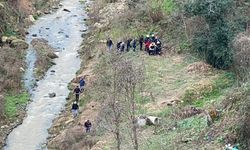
(66, 10)
(51, 95)
(34, 35)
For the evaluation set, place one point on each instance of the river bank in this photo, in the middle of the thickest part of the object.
(43, 30)
(13, 95)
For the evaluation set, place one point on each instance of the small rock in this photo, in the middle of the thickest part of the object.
(31, 19)
(66, 36)
(4, 39)
(47, 12)
(22, 69)
(34, 35)
(47, 28)
(60, 32)
(4, 127)
(26, 32)
(60, 5)
(55, 7)
(52, 71)
(66, 10)
(51, 95)
(84, 30)
(52, 55)
(1, 5)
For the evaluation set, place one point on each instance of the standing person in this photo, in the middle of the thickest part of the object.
(158, 46)
(128, 44)
(77, 91)
(147, 42)
(153, 39)
(122, 46)
(141, 40)
(134, 44)
(118, 46)
(82, 84)
(87, 126)
(74, 109)
(109, 44)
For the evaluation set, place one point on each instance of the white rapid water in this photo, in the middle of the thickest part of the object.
(63, 31)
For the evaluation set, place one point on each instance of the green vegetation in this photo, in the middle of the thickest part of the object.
(213, 42)
(199, 95)
(13, 103)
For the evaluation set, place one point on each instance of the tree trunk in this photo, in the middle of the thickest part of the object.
(134, 129)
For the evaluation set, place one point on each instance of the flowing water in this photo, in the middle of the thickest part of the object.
(62, 30)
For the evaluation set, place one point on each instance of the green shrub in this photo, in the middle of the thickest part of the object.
(213, 43)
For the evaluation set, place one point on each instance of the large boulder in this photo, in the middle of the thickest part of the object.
(147, 120)
(151, 120)
(20, 44)
(52, 55)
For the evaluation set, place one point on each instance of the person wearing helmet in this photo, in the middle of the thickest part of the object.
(147, 43)
(153, 38)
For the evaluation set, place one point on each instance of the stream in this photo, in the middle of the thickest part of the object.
(62, 29)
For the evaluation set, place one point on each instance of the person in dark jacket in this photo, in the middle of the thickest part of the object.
(122, 47)
(134, 44)
(87, 126)
(77, 91)
(128, 44)
(109, 44)
(82, 84)
(118, 46)
(74, 109)
(141, 40)
(158, 46)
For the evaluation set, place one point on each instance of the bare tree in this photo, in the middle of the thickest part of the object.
(122, 81)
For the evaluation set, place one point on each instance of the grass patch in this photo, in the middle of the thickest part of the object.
(186, 130)
(199, 96)
(14, 102)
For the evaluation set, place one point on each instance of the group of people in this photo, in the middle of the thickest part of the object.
(75, 107)
(151, 43)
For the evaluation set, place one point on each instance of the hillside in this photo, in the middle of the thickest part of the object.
(195, 95)
(202, 102)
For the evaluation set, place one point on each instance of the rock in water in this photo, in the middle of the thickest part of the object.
(66, 10)
(52, 55)
(51, 95)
